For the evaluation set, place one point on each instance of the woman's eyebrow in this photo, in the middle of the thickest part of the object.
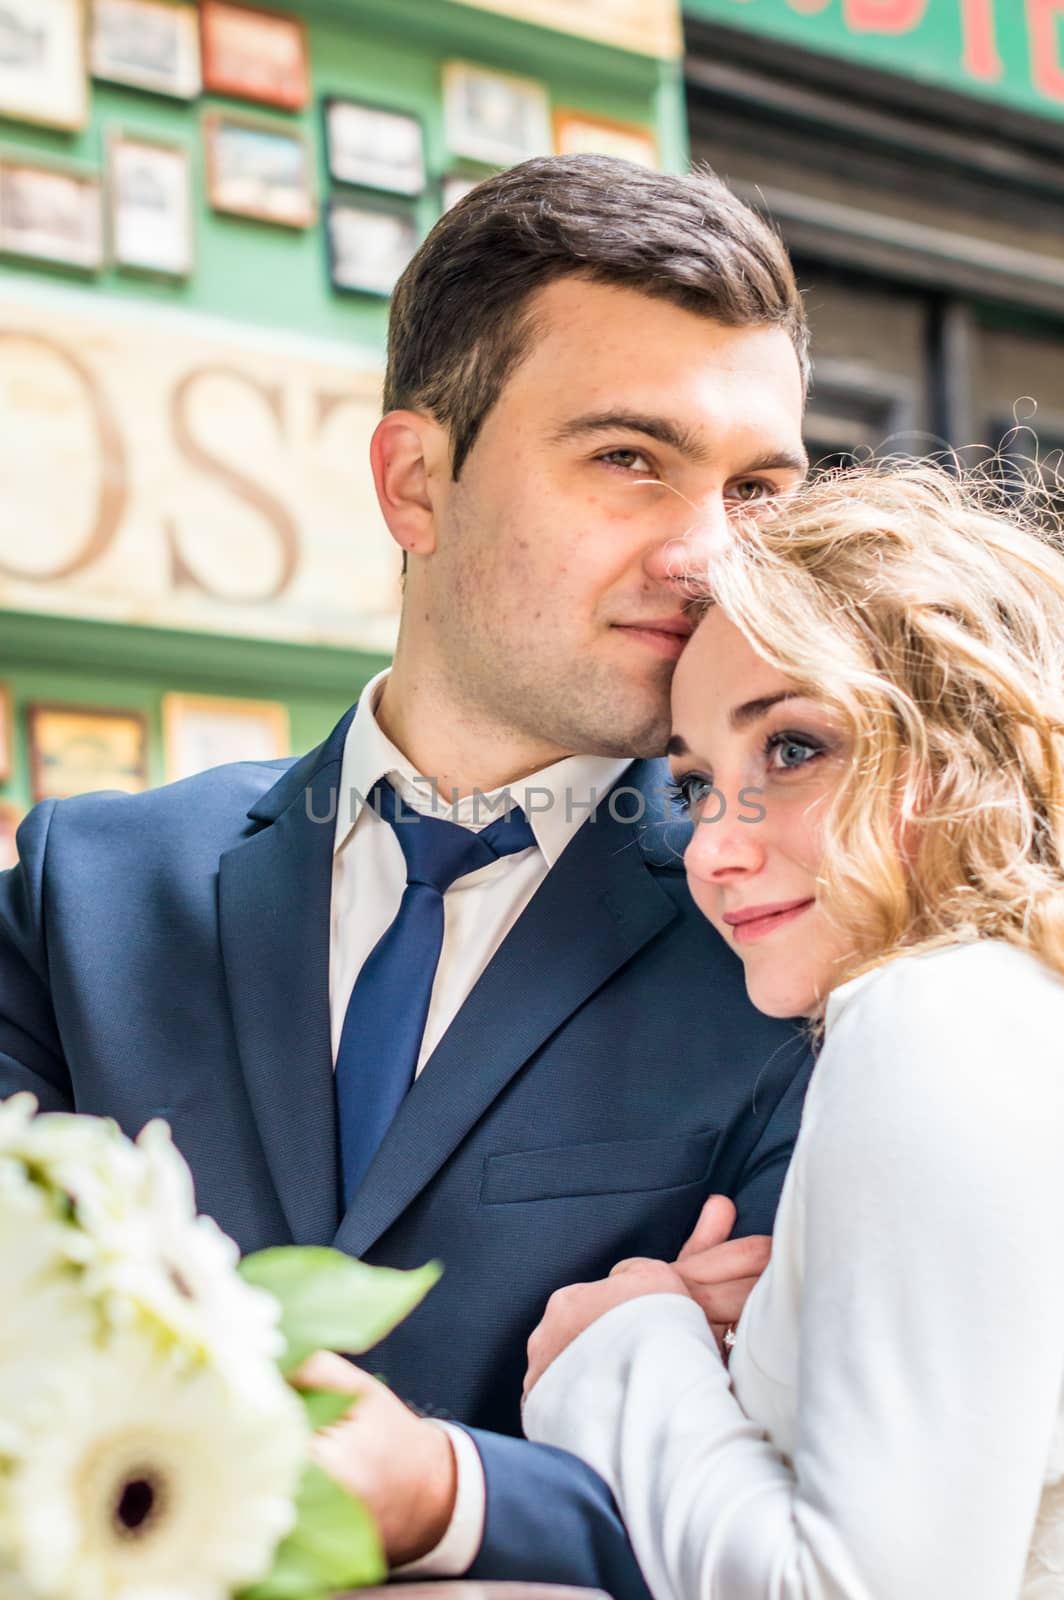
(740, 716)
(750, 710)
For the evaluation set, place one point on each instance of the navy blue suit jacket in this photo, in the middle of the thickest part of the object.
(167, 955)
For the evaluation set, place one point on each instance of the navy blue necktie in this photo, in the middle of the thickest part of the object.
(389, 1005)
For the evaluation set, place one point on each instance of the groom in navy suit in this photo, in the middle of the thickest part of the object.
(438, 989)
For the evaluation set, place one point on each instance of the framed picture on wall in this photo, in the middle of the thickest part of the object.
(75, 749)
(7, 733)
(10, 817)
(203, 730)
(578, 134)
(493, 116)
(43, 70)
(147, 44)
(258, 169)
(375, 148)
(368, 248)
(253, 54)
(150, 200)
(51, 214)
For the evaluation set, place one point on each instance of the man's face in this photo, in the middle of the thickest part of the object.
(600, 481)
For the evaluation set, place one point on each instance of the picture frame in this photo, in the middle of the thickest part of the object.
(10, 817)
(149, 192)
(147, 44)
(259, 169)
(494, 117)
(578, 133)
(368, 246)
(7, 733)
(202, 731)
(252, 54)
(44, 73)
(51, 213)
(77, 749)
(374, 147)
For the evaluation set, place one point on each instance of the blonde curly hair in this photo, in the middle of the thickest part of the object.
(927, 612)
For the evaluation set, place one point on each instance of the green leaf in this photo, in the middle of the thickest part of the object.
(334, 1545)
(326, 1405)
(330, 1301)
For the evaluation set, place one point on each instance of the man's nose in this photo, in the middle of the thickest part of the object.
(686, 553)
(723, 846)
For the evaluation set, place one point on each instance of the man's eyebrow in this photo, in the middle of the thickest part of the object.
(778, 461)
(740, 717)
(666, 430)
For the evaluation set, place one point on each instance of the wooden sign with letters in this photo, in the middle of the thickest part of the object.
(159, 472)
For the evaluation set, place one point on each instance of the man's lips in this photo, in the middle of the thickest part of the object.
(754, 921)
(666, 635)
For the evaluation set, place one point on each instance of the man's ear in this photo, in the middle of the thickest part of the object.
(405, 449)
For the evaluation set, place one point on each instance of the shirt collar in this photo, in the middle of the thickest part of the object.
(556, 800)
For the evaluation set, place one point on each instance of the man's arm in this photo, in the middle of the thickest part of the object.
(31, 1055)
(551, 1519)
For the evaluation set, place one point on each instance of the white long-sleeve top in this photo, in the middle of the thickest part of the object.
(892, 1425)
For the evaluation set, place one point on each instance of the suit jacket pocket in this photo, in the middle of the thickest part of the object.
(620, 1166)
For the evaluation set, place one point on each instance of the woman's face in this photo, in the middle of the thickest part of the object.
(757, 765)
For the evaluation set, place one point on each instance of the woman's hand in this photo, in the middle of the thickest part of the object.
(715, 1271)
(570, 1311)
(718, 1271)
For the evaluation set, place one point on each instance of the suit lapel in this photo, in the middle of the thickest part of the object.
(274, 912)
(598, 906)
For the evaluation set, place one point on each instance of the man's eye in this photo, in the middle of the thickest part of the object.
(748, 490)
(628, 461)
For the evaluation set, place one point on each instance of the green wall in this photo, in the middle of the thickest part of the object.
(1010, 51)
(385, 51)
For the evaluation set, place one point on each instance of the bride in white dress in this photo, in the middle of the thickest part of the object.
(885, 664)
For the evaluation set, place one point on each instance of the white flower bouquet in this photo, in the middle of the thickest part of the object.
(151, 1447)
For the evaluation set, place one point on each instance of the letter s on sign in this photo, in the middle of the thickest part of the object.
(266, 504)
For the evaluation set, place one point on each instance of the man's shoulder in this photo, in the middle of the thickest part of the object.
(222, 795)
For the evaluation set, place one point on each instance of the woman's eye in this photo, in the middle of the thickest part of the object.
(628, 461)
(689, 790)
(792, 750)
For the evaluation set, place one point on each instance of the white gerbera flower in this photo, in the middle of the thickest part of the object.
(146, 1481)
(158, 1263)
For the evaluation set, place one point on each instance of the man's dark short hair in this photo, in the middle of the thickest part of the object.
(460, 322)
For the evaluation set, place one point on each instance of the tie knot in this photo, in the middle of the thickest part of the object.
(438, 852)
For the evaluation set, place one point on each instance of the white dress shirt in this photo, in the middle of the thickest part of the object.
(894, 1426)
(369, 877)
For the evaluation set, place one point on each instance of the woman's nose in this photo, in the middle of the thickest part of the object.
(726, 841)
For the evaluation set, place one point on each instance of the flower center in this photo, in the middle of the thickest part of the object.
(180, 1282)
(138, 1504)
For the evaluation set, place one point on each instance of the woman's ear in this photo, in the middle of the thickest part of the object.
(404, 448)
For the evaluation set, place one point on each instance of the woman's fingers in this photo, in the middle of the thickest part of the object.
(715, 1223)
(722, 1303)
(739, 1258)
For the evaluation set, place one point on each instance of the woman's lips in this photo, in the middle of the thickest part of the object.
(758, 927)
